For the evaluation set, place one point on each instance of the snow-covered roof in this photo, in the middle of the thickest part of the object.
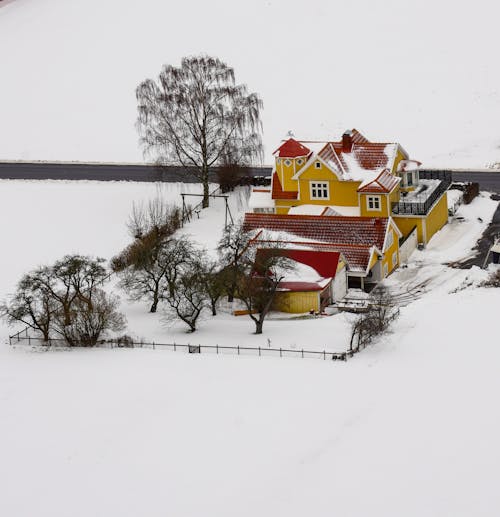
(260, 198)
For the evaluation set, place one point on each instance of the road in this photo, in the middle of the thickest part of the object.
(103, 172)
(488, 180)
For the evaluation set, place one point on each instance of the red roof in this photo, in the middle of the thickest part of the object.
(367, 231)
(352, 236)
(357, 256)
(278, 192)
(292, 149)
(385, 182)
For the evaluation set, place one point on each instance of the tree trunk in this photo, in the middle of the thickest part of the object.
(258, 326)
(205, 186)
(155, 301)
(214, 308)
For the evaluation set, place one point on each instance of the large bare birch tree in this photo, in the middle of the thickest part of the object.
(196, 116)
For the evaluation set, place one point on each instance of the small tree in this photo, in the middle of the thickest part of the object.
(187, 296)
(232, 248)
(259, 275)
(196, 116)
(144, 264)
(65, 299)
(32, 304)
(90, 319)
(382, 310)
(213, 283)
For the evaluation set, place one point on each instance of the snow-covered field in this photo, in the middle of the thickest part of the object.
(396, 70)
(408, 427)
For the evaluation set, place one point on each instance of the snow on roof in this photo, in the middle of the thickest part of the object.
(349, 211)
(260, 198)
(307, 210)
(357, 238)
(355, 162)
(385, 182)
(423, 191)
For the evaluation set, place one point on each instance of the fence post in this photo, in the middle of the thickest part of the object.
(259, 351)
(153, 345)
(175, 347)
(324, 355)
(29, 340)
(217, 348)
(238, 349)
(302, 353)
(280, 353)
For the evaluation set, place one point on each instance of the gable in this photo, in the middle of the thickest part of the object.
(310, 172)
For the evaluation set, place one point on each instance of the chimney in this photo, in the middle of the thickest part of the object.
(347, 141)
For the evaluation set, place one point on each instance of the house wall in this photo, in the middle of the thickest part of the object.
(342, 193)
(408, 247)
(339, 284)
(427, 225)
(437, 217)
(384, 205)
(408, 222)
(387, 261)
(296, 302)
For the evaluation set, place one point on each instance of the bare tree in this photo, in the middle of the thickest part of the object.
(260, 272)
(32, 304)
(187, 295)
(232, 248)
(65, 299)
(382, 310)
(196, 116)
(90, 319)
(213, 282)
(142, 266)
(154, 269)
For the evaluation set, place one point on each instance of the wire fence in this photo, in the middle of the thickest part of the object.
(24, 338)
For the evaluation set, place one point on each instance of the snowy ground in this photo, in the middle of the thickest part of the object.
(407, 427)
(76, 66)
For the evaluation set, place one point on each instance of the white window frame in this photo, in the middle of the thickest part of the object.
(317, 165)
(375, 202)
(300, 161)
(394, 259)
(319, 187)
(288, 163)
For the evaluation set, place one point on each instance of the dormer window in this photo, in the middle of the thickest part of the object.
(288, 163)
(300, 161)
(317, 165)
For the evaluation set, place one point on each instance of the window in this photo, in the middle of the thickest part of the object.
(373, 202)
(394, 259)
(319, 190)
(300, 161)
(317, 165)
(288, 163)
(409, 179)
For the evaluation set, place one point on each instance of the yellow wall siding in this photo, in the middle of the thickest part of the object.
(389, 252)
(437, 217)
(384, 206)
(399, 156)
(407, 223)
(296, 302)
(427, 225)
(285, 174)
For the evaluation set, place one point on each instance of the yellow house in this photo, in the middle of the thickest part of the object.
(357, 178)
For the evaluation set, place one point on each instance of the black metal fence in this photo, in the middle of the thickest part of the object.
(24, 338)
(423, 208)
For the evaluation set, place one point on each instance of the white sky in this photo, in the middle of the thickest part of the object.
(422, 73)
